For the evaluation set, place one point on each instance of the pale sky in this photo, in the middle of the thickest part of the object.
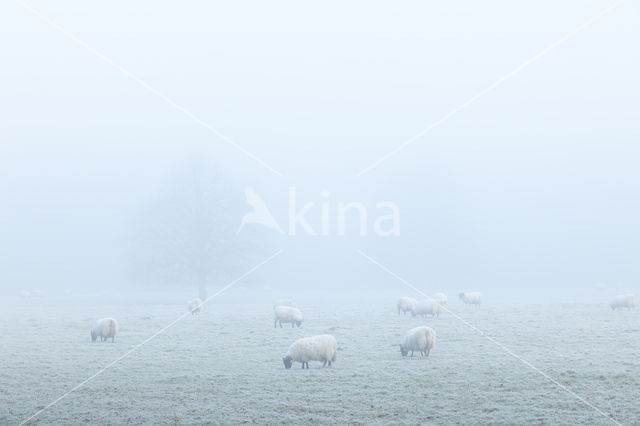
(534, 186)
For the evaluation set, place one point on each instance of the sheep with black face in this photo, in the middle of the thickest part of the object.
(322, 347)
(287, 314)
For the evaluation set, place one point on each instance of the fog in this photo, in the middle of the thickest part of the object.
(110, 112)
(532, 185)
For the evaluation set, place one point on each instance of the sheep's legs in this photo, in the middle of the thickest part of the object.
(325, 363)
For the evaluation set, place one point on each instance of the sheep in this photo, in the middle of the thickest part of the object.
(195, 306)
(441, 297)
(406, 304)
(315, 348)
(104, 328)
(421, 339)
(426, 307)
(287, 314)
(623, 301)
(31, 293)
(471, 297)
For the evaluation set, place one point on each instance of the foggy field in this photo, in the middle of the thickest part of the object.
(338, 154)
(224, 366)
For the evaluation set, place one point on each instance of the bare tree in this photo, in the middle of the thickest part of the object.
(187, 234)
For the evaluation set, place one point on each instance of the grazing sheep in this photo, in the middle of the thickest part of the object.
(195, 306)
(104, 328)
(471, 297)
(426, 307)
(421, 339)
(31, 293)
(623, 301)
(441, 297)
(287, 314)
(315, 348)
(406, 304)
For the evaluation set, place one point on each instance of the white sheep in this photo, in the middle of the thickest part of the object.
(441, 297)
(406, 304)
(421, 339)
(471, 297)
(287, 314)
(426, 307)
(623, 301)
(195, 306)
(104, 328)
(31, 293)
(315, 348)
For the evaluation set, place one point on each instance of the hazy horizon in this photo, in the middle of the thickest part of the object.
(531, 186)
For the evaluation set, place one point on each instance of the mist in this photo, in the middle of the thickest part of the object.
(488, 147)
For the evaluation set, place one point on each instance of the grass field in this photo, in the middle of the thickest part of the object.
(224, 366)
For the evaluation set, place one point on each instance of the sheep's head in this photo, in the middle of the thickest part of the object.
(403, 351)
(461, 295)
(298, 323)
(288, 361)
